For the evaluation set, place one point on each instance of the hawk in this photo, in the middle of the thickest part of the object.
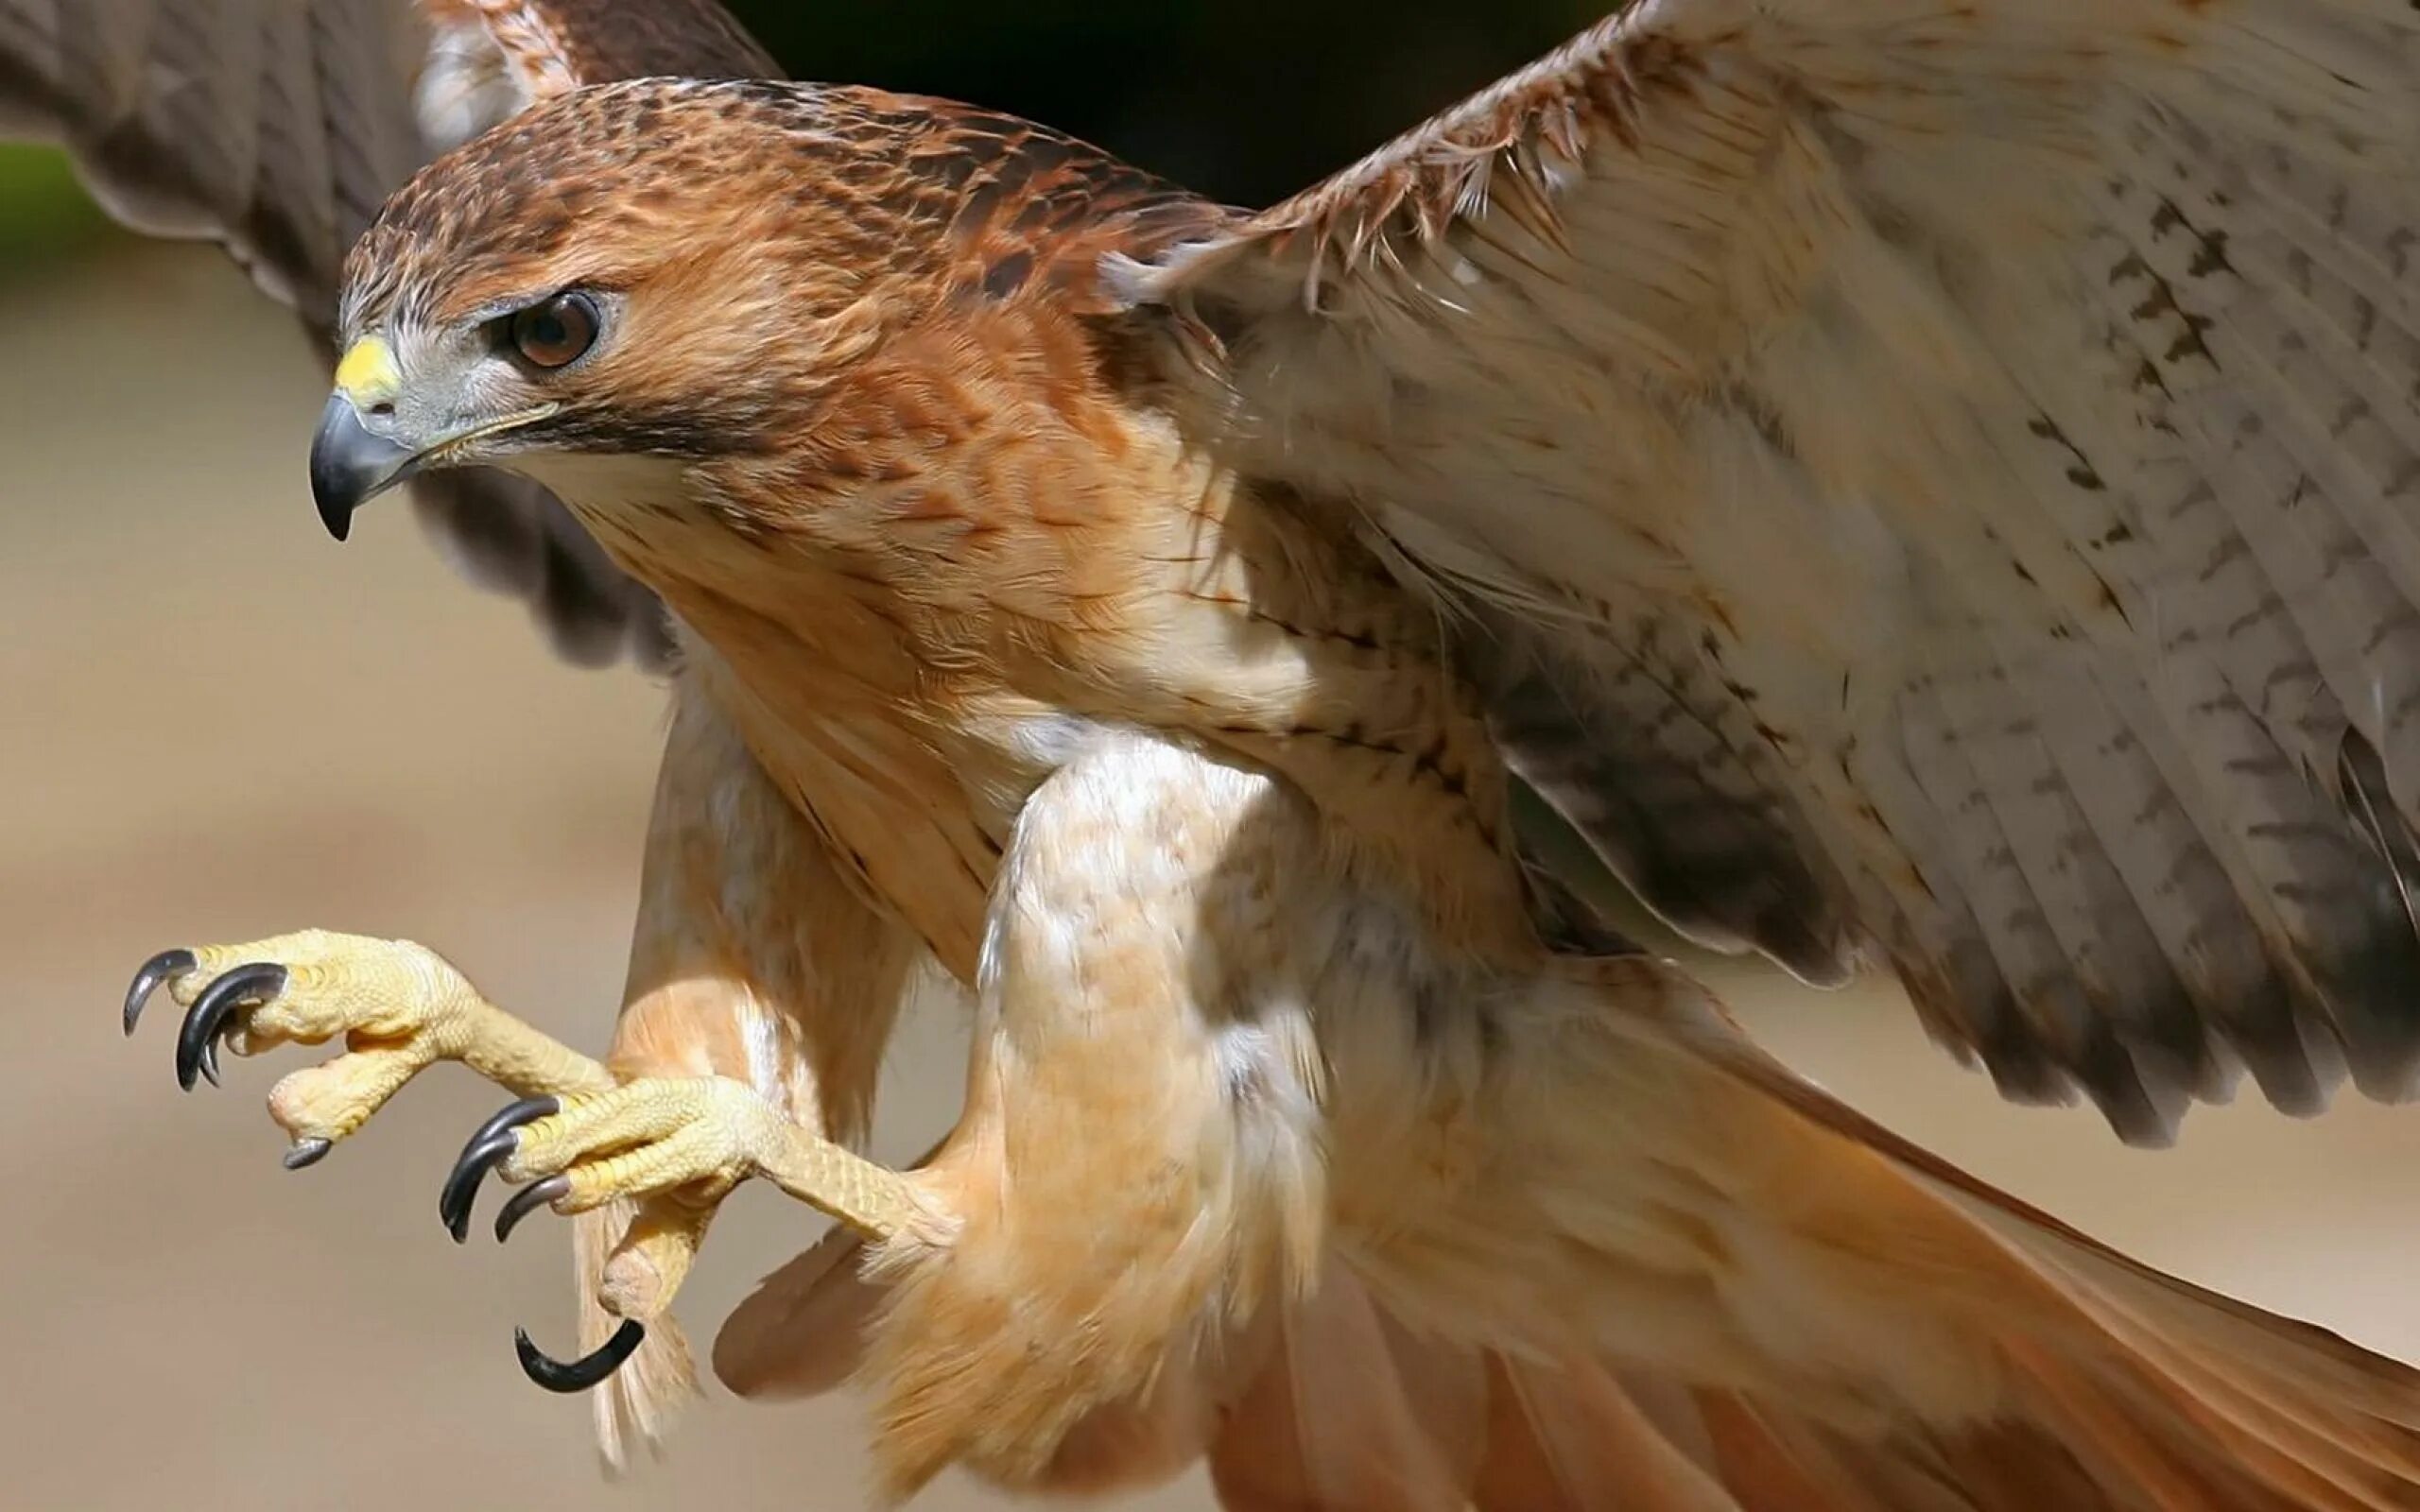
(1917, 487)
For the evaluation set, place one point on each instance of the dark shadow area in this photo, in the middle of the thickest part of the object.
(1243, 102)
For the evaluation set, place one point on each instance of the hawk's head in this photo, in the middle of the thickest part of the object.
(659, 269)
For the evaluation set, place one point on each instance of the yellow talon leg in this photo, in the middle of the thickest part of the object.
(677, 1146)
(398, 1006)
(701, 1135)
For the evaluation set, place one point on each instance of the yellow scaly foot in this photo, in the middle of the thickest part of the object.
(688, 1138)
(400, 1008)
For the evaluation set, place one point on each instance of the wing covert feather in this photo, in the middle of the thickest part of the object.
(1926, 483)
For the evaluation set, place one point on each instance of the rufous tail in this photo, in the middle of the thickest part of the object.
(2075, 1379)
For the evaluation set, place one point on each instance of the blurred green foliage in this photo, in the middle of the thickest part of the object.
(1244, 100)
(41, 209)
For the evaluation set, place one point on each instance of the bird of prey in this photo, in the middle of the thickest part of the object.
(1918, 486)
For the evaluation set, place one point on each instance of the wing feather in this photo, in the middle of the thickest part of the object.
(276, 128)
(1921, 482)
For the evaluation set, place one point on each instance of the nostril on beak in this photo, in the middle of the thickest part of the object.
(384, 407)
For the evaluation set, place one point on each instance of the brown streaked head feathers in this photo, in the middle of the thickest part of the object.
(718, 216)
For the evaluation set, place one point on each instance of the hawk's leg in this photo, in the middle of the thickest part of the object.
(757, 969)
(698, 1136)
(398, 1006)
(1137, 1178)
(686, 1140)
(762, 991)
(706, 1134)
(1074, 1277)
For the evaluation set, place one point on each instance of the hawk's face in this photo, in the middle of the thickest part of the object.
(412, 394)
(597, 276)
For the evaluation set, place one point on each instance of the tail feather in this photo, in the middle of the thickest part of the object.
(2115, 1388)
(801, 1333)
(2158, 1394)
(2188, 1404)
(1568, 1439)
(1760, 1462)
(2111, 1388)
(1352, 1412)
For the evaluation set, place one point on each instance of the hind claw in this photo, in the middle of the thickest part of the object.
(590, 1370)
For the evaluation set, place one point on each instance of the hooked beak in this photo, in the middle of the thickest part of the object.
(349, 466)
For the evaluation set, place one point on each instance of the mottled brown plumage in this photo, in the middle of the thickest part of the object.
(949, 465)
(1138, 610)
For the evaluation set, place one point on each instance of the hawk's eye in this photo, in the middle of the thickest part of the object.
(554, 331)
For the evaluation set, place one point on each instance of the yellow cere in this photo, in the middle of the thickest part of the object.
(367, 374)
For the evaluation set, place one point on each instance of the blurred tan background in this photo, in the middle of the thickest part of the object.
(217, 725)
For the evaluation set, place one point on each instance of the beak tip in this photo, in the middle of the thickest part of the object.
(350, 464)
(334, 501)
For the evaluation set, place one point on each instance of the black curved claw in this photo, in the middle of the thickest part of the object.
(147, 978)
(586, 1371)
(305, 1152)
(492, 1141)
(255, 982)
(526, 1201)
(210, 1051)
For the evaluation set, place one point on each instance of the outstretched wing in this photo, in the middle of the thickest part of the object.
(1920, 479)
(276, 127)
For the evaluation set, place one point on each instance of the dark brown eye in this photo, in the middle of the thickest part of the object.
(556, 331)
